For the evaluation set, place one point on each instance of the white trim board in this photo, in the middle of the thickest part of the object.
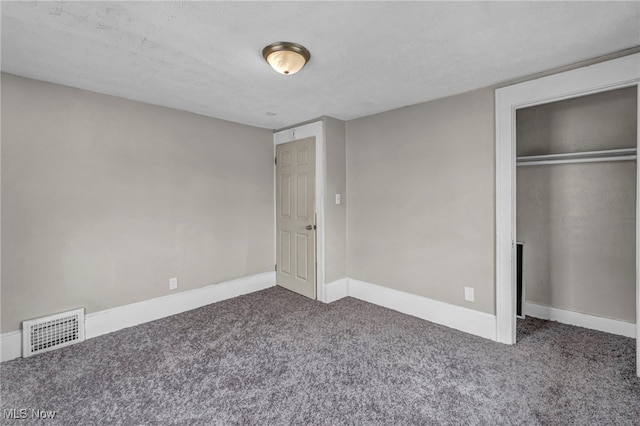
(109, 320)
(10, 345)
(336, 290)
(622, 328)
(468, 320)
(114, 319)
(601, 77)
(315, 129)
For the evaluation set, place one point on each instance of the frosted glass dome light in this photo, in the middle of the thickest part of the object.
(285, 57)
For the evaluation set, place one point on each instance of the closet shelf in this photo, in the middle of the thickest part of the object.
(624, 154)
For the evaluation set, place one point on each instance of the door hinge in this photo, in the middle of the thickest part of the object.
(275, 267)
(275, 161)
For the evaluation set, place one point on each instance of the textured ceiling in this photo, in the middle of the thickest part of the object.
(366, 57)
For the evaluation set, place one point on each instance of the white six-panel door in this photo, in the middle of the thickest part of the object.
(295, 216)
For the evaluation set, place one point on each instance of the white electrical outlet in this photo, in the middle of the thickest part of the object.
(173, 283)
(468, 294)
(337, 198)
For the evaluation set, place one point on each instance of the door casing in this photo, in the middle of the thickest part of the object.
(315, 129)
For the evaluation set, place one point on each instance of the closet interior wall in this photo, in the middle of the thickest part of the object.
(578, 220)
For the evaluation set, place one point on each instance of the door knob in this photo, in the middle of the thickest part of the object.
(309, 227)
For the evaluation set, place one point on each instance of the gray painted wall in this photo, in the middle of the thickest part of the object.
(578, 220)
(335, 215)
(104, 199)
(421, 183)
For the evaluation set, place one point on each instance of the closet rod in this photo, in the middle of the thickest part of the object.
(583, 154)
(622, 154)
(576, 160)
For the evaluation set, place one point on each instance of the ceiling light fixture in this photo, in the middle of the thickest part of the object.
(285, 57)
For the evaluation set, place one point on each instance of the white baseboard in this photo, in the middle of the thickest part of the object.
(107, 321)
(10, 345)
(468, 320)
(608, 325)
(336, 290)
(463, 319)
(114, 319)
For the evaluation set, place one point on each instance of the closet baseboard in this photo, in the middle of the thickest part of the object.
(608, 325)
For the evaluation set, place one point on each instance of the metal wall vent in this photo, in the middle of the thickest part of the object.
(52, 332)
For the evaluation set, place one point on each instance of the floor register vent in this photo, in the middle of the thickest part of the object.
(52, 332)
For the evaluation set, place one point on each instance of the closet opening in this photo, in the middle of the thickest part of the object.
(606, 76)
(575, 205)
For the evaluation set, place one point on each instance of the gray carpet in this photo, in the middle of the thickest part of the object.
(276, 358)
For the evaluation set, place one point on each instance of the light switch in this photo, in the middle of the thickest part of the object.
(337, 198)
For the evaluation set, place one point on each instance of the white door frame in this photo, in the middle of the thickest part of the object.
(601, 77)
(289, 135)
